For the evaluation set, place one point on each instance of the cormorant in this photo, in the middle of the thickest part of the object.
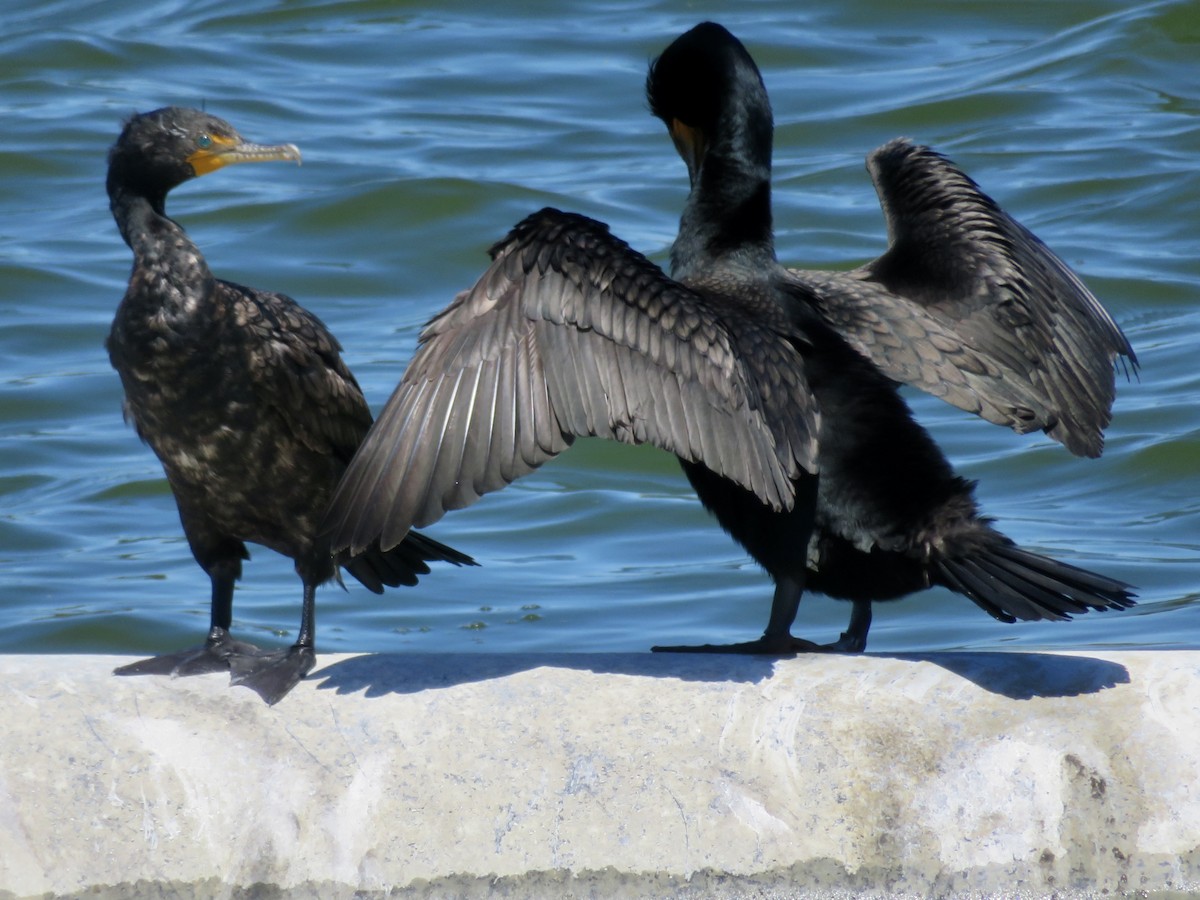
(570, 332)
(243, 396)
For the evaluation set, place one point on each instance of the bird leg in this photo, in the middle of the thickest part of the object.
(854, 638)
(213, 655)
(777, 640)
(271, 674)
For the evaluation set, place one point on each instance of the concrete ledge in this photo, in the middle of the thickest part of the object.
(607, 775)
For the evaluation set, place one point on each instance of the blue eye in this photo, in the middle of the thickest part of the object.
(204, 142)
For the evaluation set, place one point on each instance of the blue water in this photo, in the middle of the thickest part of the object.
(429, 129)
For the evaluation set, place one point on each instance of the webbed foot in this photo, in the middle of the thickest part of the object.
(847, 643)
(212, 656)
(272, 674)
(854, 638)
(785, 646)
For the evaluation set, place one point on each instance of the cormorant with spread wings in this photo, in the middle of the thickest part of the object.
(776, 388)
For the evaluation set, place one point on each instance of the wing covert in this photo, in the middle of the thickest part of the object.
(296, 368)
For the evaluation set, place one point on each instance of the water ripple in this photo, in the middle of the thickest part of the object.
(427, 131)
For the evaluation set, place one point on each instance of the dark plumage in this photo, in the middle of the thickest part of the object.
(243, 396)
(748, 371)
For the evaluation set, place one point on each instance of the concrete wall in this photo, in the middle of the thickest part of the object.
(607, 775)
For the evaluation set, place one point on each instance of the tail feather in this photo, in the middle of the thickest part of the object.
(402, 564)
(1010, 584)
(1028, 599)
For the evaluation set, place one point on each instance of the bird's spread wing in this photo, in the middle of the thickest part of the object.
(570, 332)
(296, 368)
(971, 306)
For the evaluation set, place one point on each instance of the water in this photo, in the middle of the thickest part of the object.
(428, 130)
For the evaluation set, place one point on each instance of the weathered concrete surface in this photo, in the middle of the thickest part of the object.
(607, 775)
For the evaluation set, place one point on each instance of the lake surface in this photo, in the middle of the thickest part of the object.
(427, 131)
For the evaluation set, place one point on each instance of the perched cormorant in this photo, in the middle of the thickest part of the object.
(570, 332)
(243, 396)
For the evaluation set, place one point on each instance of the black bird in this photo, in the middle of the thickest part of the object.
(243, 396)
(570, 332)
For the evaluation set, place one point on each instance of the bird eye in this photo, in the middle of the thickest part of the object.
(204, 142)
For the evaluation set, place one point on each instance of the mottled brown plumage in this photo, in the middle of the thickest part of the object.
(243, 396)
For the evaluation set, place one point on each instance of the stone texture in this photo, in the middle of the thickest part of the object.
(607, 775)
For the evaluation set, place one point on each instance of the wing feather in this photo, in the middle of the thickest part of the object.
(569, 332)
(971, 306)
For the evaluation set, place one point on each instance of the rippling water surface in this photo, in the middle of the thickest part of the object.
(428, 130)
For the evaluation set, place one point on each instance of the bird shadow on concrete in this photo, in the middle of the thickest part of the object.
(1013, 674)
(1025, 675)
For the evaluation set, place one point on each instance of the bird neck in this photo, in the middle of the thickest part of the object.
(161, 248)
(141, 218)
(727, 216)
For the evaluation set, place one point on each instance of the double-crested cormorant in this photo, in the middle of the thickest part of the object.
(243, 396)
(747, 371)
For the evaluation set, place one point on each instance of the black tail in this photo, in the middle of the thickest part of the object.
(1011, 583)
(403, 563)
